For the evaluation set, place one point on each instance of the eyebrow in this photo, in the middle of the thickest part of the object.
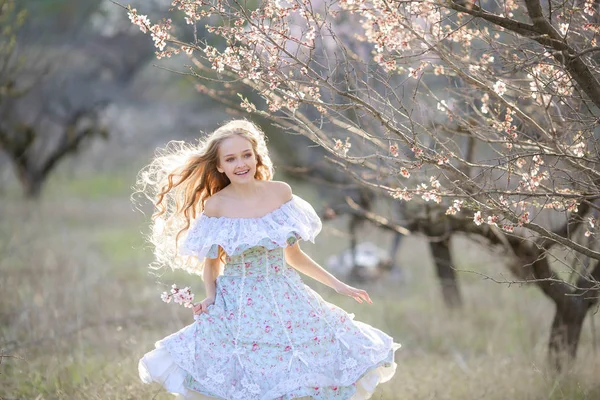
(243, 151)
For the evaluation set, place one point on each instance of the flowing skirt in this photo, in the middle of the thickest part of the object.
(269, 336)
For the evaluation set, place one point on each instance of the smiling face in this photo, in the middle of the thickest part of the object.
(237, 159)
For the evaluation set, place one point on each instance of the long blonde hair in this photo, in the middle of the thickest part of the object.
(181, 178)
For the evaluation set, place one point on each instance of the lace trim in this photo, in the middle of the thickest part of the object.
(295, 219)
(214, 383)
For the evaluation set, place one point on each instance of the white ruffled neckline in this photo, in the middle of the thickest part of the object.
(293, 220)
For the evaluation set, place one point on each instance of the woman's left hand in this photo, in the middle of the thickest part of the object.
(358, 294)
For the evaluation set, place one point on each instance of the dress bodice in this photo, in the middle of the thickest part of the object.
(294, 220)
(255, 262)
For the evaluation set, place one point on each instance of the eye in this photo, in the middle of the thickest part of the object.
(247, 155)
(229, 159)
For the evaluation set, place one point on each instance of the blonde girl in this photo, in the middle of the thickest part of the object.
(260, 333)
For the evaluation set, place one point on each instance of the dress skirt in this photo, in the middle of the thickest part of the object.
(269, 336)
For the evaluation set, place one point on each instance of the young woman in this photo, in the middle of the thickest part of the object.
(260, 333)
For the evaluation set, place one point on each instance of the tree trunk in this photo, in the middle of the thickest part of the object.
(446, 273)
(31, 181)
(565, 333)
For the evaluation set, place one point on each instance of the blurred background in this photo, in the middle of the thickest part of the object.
(83, 106)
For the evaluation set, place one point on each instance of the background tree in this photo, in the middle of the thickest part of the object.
(487, 111)
(52, 102)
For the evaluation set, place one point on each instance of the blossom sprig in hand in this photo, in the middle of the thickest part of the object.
(183, 296)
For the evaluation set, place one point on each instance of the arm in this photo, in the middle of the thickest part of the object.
(298, 259)
(210, 274)
(212, 268)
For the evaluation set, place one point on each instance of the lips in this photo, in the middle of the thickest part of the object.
(242, 172)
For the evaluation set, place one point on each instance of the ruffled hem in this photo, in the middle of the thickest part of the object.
(159, 366)
(294, 219)
(366, 385)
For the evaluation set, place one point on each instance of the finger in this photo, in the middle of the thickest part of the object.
(365, 296)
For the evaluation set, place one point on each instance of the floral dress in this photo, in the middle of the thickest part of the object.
(267, 335)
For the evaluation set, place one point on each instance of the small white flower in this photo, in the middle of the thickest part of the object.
(165, 297)
(477, 218)
(500, 88)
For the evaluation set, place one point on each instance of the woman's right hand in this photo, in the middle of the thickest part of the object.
(202, 307)
(358, 294)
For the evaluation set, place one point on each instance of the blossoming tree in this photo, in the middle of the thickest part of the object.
(488, 111)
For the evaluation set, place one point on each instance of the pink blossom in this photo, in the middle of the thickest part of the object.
(183, 296)
(484, 103)
(402, 194)
(165, 297)
(493, 220)
(427, 196)
(588, 7)
(508, 228)
(140, 20)
(342, 147)
(477, 218)
(500, 88)
(572, 206)
(524, 219)
(455, 207)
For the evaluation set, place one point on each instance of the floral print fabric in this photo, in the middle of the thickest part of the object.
(269, 336)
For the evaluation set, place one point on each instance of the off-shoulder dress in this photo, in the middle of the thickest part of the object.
(267, 335)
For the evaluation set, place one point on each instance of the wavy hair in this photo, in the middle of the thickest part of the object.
(179, 180)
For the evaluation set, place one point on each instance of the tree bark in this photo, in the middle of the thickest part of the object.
(565, 333)
(31, 180)
(446, 273)
(569, 318)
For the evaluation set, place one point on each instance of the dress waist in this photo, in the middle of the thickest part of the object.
(256, 261)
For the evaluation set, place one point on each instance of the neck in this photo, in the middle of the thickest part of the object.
(245, 190)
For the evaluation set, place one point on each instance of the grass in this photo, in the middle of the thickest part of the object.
(80, 308)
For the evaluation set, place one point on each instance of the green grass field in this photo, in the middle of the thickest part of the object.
(79, 308)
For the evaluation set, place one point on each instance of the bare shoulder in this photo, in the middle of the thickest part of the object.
(212, 206)
(281, 190)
